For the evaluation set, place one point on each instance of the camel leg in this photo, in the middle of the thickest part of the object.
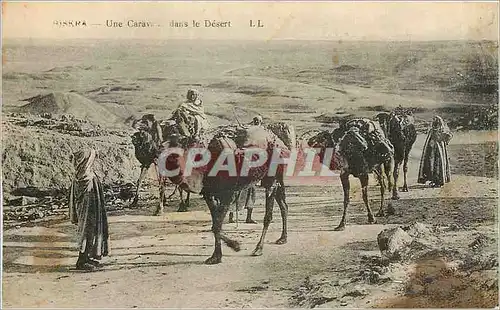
(395, 195)
(173, 193)
(388, 166)
(138, 186)
(187, 202)
(249, 219)
(218, 213)
(270, 196)
(183, 206)
(364, 189)
(280, 198)
(217, 255)
(405, 172)
(250, 199)
(159, 210)
(344, 178)
(162, 186)
(166, 198)
(225, 204)
(380, 177)
(181, 198)
(237, 207)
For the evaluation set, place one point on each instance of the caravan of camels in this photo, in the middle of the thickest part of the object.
(223, 163)
(226, 162)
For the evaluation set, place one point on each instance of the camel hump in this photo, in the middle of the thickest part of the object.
(241, 138)
(224, 138)
(258, 136)
(222, 142)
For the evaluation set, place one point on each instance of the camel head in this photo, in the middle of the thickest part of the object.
(285, 132)
(396, 127)
(322, 140)
(383, 119)
(144, 123)
(326, 140)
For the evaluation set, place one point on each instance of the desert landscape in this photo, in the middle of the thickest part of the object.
(59, 96)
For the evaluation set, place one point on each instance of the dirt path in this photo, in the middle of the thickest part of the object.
(155, 259)
(158, 261)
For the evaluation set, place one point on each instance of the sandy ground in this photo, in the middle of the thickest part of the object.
(158, 261)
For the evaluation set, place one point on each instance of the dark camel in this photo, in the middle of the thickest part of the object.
(356, 152)
(399, 128)
(146, 152)
(146, 143)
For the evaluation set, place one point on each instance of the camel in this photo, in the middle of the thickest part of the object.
(146, 144)
(286, 133)
(356, 152)
(219, 189)
(146, 152)
(399, 128)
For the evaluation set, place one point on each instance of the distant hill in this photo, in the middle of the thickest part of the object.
(70, 103)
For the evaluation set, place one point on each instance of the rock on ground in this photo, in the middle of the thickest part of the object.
(394, 243)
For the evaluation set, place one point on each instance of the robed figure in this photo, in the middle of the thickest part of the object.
(87, 210)
(435, 164)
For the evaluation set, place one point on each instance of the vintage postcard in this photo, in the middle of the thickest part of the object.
(250, 154)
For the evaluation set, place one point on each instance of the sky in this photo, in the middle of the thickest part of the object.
(374, 21)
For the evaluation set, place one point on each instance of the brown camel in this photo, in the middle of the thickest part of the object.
(219, 189)
(359, 151)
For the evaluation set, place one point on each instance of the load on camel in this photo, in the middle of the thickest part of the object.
(399, 128)
(359, 148)
(219, 185)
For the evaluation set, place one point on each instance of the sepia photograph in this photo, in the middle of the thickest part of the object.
(185, 154)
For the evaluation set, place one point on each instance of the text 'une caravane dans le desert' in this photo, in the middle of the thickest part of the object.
(110, 23)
